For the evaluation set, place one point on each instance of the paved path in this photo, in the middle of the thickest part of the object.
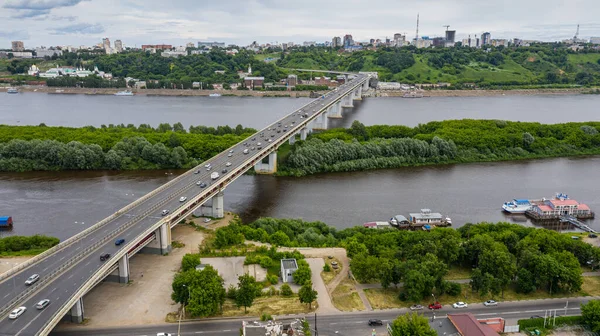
(323, 299)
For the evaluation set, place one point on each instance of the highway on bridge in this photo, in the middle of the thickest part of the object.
(343, 324)
(66, 274)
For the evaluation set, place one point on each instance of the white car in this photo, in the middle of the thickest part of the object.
(32, 279)
(207, 165)
(228, 164)
(42, 304)
(182, 199)
(16, 313)
(490, 303)
(229, 155)
(164, 334)
(246, 151)
(460, 304)
(231, 151)
(164, 212)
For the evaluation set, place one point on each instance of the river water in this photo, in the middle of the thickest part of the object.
(64, 203)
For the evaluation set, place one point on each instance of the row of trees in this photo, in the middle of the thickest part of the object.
(501, 255)
(373, 147)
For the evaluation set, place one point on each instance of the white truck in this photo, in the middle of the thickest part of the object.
(214, 175)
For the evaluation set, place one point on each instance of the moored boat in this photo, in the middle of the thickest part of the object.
(214, 95)
(12, 90)
(517, 206)
(124, 93)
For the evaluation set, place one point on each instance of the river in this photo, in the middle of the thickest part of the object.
(63, 203)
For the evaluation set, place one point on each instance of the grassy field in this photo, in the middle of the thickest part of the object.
(345, 297)
(262, 57)
(583, 58)
(274, 305)
(457, 273)
(329, 276)
(388, 298)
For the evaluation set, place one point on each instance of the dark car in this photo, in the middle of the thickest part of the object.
(224, 171)
(374, 322)
(436, 305)
(593, 235)
(202, 185)
(104, 257)
(119, 241)
(278, 131)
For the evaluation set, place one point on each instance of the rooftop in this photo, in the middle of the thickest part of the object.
(289, 263)
(467, 325)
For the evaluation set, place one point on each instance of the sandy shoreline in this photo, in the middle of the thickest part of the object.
(296, 94)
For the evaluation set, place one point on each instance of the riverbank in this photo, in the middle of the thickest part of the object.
(297, 94)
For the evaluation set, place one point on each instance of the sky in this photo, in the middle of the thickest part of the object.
(137, 22)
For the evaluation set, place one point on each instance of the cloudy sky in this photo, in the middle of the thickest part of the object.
(136, 22)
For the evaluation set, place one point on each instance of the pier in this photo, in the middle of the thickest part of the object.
(575, 222)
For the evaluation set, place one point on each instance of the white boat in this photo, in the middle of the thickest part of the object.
(214, 95)
(124, 93)
(517, 206)
(412, 94)
(12, 90)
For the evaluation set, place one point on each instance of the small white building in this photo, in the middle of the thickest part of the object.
(288, 267)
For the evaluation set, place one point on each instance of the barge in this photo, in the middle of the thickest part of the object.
(559, 207)
(420, 220)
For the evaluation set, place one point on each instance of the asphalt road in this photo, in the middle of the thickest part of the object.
(60, 288)
(346, 324)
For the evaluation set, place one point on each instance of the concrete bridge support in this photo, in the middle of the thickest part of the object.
(160, 245)
(212, 208)
(365, 86)
(268, 165)
(348, 100)
(75, 315)
(303, 133)
(335, 110)
(358, 93)
(321, 122)
(292, 139)
(124, 269)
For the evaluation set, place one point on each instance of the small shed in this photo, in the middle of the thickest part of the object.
(288, 267)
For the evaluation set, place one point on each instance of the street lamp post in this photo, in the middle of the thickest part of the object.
(182, 311)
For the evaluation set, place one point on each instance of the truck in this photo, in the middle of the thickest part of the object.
(6, 222)
(214, 175)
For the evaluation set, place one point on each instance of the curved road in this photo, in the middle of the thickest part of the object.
(59, 288)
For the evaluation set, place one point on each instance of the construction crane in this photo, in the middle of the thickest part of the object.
(576, 34)
(447, 26)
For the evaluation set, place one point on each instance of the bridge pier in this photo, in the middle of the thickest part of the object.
(269, 167)
(213, 207)
(124, 269)
(321, 122)
(365, 86)
(292, 139)
(75, 315)
(303, 133)
(335, 110)
(348, 100)
(358, 93)
(160, 245)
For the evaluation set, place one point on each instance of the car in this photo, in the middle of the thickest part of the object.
(32, 279)
(42, 304)
(182, 199)
(259, 144)
(228, 164)
(270, 140)
(246, 151)
(375, 322)
(201, 184)
(207, 165)
(278, 131)
(104, 256)
(593, 235)
(224, 171)
(206, 220)
(252, 148)
(197, 172)
(273, 135)
(535, 316)
(164, 212)
(253, 139)
(119, 241)
(268, 129)
(246, 144)
(207, 168)
(229, 155)
(164, 334)
(231, 151)
(416, 307)
(285, 126)
(460, 304)
(490, 303)
(436, 305)
(16, 313)
(285, 129)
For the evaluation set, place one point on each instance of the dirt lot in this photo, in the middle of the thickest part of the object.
(147, 300)
(7, 263)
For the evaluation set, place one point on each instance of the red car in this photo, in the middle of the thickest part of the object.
(436, 305)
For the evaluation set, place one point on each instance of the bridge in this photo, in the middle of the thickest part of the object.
(71, 269)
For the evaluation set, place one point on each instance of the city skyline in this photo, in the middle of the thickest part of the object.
(86, 22)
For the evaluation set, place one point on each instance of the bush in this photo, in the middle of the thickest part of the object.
(23, 243)
(286, 290)
(272, 279)
(189, 261)
(452, 288)
(231, 292)
(539, 322)
(327, 268)
(266, 317)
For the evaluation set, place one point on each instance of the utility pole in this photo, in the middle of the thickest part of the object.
(316, 328)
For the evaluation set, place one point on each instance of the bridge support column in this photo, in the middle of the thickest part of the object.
(292, 139)
(160, 245)
(303, 134)
(268, 167)
(358, 93)
(217, 205)
(335, 111)
(75, 315)
(348, 100)
(321, 121)
(365, 86)
(124, 269)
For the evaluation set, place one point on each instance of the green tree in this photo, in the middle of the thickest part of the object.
(590, 312)
(246, 292)
(302, 275)
(358, 130)
(286, 290)
(411, 325)
(307, 294)
(189, 262)
(202, 292)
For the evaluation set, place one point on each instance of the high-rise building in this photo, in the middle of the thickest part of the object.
(118, 46)
(106, 45)
(348, 41)
(450, 35)
(399, 40)
(486, 38)
(17, 46)
(595, 40)
(336, 42)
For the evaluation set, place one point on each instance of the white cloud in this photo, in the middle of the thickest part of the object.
(242, 21)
